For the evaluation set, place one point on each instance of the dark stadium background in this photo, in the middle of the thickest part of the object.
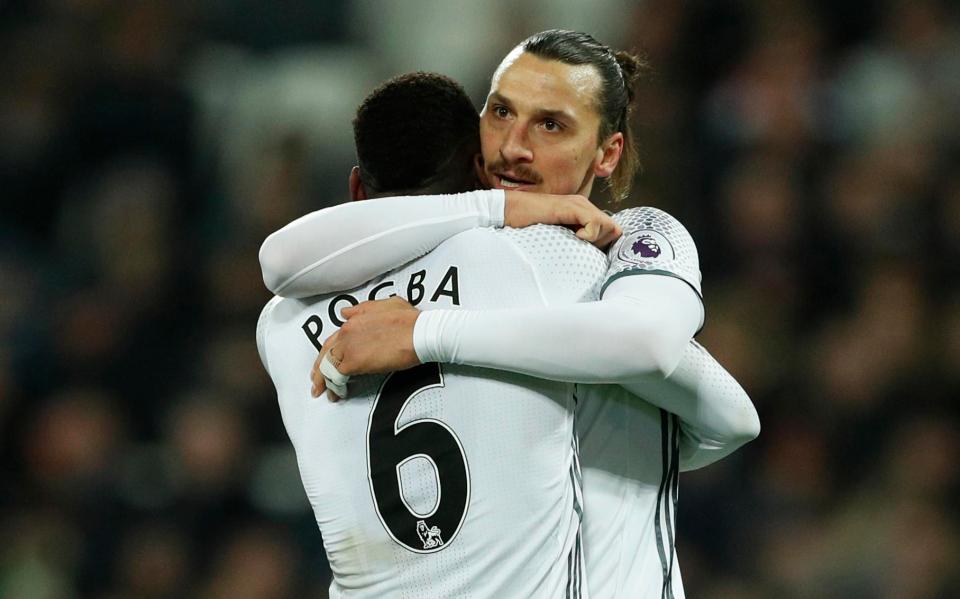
(147, 148)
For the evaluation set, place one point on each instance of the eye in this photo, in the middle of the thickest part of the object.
(551, 125)
(501, 111)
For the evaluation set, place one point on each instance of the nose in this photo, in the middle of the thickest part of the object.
(516, 145)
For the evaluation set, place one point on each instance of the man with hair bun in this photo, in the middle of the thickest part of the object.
(613, 95)
(556, 119)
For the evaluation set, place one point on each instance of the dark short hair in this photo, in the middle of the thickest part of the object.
(619, 73)
(416, 133)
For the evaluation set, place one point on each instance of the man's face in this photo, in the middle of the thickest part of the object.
(539, 126)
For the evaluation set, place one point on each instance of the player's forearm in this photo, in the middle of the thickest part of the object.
(716, 414)
(344, 246)
(610, 341)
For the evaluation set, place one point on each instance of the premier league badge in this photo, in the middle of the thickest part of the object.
(645, 247)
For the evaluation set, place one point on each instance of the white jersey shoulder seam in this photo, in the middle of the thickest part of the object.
(526, 260)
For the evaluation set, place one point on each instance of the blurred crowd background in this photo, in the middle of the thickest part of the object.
(148, 147)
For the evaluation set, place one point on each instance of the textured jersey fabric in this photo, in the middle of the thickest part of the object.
(633, 449)
(630, 462)
(653, 242)
(512, 435)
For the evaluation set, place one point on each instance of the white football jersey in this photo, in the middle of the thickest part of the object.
(443, 480)
(630, 448)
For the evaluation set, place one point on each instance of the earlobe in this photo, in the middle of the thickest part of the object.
(357, 192)
(480, 172)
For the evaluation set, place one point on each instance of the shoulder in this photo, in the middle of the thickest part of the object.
(263, 328)
(652, 219)
(653, 241)
(533, 243)
(266, 312)
(567, 268)
(652, 234)
(538, 239)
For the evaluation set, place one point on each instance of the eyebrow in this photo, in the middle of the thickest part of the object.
(555, 113)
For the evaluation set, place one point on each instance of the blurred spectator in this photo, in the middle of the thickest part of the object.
(153, 562)
(257, 563)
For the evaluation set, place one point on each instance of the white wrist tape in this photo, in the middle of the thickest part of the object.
(336, 381)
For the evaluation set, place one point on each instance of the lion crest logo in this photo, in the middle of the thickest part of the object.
(646, 246)
(429, 536)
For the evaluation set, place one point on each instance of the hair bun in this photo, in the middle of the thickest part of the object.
(633, 67)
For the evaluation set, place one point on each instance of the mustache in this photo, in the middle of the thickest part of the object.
(520, 171)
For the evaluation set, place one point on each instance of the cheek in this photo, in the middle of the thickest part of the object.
(575, 161)
(576, 157)
(563, 170)
(489, 142)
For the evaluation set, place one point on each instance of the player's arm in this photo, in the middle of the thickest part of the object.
(346, 245)
(638, 336)
(716, 414)
(650, 308)
(639, 328)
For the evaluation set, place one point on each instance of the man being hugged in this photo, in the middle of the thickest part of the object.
(555, 120)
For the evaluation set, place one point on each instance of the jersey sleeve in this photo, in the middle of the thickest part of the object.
(344, 246)
(640, 328)
(653, 242)
(716, 414)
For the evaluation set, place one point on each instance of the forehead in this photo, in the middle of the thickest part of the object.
(538, 83)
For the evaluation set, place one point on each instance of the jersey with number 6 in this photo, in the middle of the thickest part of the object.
(442, 480)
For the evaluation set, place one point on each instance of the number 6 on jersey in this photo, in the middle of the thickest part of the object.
(390, 446)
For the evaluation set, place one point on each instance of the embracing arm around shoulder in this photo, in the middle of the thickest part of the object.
(640, 327)
(639, 336)
(344, 246)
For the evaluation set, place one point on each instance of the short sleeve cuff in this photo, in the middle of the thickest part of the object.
(644, 271)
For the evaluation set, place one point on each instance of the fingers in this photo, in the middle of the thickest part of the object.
(316, 376)
(351, 311)
(589, 232)
(318, 388)
(375, 306)
(601, 232)
(522, 209)
(608, 236)
(319, 384)
(336, 381)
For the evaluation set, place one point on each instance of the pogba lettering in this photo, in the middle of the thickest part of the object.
(446, 285)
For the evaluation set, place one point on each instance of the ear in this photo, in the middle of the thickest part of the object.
(608, 155)
(357, 192)
(480, 172)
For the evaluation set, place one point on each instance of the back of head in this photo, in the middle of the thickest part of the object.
(416, 134)
(619, 73)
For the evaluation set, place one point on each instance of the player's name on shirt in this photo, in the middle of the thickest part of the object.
(438, 286)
